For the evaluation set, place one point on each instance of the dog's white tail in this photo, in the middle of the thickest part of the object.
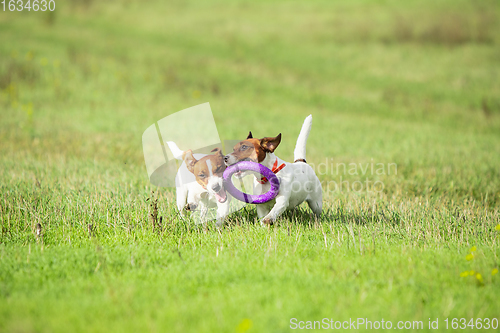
(175, 150)
(300, 147)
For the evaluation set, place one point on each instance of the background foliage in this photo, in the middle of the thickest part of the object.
(414, 83)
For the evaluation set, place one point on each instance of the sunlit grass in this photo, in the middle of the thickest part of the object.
(410, 85)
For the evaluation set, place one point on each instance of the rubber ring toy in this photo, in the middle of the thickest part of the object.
(251, 166)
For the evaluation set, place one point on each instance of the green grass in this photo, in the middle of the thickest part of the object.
(415, 84)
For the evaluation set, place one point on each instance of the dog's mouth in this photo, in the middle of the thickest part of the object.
(245, 159)
(221, 196)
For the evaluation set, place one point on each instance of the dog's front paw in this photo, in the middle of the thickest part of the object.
(267, 221)
(219, 223)
(190, 207)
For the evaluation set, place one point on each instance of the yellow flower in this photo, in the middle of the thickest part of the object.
(244, 325)
(464, 274)
(469, 257)
(471, 273)
(472, 249)
(497, 228)
(494, 271)
(479, 277)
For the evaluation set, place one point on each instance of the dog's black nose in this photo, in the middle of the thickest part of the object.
(226, 158)
(216, 188)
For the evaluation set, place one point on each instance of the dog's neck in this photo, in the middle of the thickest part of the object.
(269, 160)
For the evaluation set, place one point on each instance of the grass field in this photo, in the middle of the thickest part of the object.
(413, 84)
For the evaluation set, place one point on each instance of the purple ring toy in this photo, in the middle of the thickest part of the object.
(249, 198)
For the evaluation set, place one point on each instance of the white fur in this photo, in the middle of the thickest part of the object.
(190, 193)
(300, 146)
(298, 182)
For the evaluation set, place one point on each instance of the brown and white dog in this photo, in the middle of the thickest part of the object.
(199, 183)
(298, 182)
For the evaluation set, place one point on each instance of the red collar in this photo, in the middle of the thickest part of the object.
(275, 170)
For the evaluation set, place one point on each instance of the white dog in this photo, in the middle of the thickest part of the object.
(298, 182)
(199, 183)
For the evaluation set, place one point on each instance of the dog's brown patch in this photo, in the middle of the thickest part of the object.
(249, 149)
(200, 168)
(255, 149)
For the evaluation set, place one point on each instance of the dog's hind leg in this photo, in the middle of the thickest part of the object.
(316, 206)
(315, 200)
(182, 194)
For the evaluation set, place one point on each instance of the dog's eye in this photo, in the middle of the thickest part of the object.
(244, 147)
(201, 176)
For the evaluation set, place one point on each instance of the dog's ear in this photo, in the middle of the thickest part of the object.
(217, 151)
(270, 143)
(250, 136)
(190, 160)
